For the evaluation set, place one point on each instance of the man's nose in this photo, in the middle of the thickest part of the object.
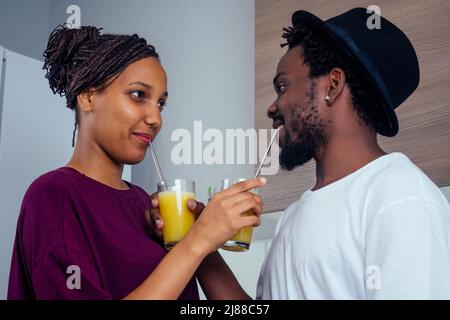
(272, 110)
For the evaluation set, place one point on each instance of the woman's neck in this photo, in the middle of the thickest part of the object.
(94, 162)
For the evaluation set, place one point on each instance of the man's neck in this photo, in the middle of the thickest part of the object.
(343, 155)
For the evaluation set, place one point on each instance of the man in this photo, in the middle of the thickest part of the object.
(374, 226)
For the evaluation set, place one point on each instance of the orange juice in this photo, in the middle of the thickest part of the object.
(178, 220)
(241, 240)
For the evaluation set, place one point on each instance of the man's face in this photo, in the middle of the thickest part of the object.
(296, 108)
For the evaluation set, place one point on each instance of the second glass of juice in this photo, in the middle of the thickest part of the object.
(240, 241)
(178, 219)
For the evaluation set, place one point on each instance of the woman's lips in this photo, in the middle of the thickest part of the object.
(144, 137)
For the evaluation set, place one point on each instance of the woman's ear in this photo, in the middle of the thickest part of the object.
(335, 86)
(85, 101)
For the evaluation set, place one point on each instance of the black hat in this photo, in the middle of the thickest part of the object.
(384, 56)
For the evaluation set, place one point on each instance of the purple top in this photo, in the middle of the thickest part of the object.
(78, 238)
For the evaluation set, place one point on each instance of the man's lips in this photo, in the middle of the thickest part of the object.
(145, 137)
(276, 124)
(282, 133)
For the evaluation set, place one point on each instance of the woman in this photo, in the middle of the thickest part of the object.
(82, 220)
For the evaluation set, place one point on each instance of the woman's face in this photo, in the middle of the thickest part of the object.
(126, 115)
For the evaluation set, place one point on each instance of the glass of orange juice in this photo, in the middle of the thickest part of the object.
(240, 241)
(178, 219)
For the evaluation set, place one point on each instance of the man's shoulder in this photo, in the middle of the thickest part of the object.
(401, 172)
(400, 179)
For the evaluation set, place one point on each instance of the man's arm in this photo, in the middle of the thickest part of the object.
(408, 252)
(218, 281)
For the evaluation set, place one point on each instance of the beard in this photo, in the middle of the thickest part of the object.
(307, 136)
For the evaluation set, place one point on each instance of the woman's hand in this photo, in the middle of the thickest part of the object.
(222, 217)
(153, 217)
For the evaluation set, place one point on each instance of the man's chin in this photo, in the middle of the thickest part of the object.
(293, 158)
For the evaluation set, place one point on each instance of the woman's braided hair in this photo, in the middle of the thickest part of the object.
(77, 60)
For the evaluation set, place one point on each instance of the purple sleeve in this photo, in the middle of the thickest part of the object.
(43, 265)
(67, 274)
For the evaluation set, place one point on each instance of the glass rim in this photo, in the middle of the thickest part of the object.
(170, 185)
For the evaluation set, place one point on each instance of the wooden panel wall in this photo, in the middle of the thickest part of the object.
(424, 118)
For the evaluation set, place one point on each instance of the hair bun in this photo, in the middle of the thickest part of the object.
(62, 46)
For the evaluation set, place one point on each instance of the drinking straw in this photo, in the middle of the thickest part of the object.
(267, 151)
(158, 168)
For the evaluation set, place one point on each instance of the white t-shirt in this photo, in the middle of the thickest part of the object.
(382, 232)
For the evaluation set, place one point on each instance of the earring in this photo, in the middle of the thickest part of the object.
(327, 98)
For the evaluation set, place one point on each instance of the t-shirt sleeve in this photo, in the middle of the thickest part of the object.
(408, 252)
(44, 266)
(67, 274)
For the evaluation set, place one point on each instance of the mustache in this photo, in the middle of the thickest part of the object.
(278, 118)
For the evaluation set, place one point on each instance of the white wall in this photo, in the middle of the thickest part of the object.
(207, 49)
(24, 26)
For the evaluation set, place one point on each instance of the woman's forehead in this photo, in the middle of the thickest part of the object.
(147, 70)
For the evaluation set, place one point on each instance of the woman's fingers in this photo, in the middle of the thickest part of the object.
(250, 221)
(243, 186)
(153, 217)
(249, 204)
(236, 198)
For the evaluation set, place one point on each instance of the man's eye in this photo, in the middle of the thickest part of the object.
(161, 105)
(281, 88)
(137, 94)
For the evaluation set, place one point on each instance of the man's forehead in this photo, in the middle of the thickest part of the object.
(292, 61)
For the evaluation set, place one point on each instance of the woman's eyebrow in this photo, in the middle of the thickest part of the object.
(141, 83)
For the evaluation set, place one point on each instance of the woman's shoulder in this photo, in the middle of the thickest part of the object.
(50, 183)
(140, 191)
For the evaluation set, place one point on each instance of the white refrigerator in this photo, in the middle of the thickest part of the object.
(35, 137)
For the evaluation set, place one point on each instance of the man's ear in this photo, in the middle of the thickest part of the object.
(335, 86)
(85, 101)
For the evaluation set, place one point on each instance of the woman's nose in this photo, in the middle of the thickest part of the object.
(153, 116)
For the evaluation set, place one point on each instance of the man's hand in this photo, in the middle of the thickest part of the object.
(154, 220)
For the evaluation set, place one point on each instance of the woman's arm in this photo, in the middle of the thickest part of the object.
(219, 221)
(172, 274)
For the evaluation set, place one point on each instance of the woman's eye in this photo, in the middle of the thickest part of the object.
(161, 105)
(137, 94)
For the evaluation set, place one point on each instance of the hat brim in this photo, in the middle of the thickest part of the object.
(389, 127)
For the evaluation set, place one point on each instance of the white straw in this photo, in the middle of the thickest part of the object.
(267, 151)
(158, 168)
